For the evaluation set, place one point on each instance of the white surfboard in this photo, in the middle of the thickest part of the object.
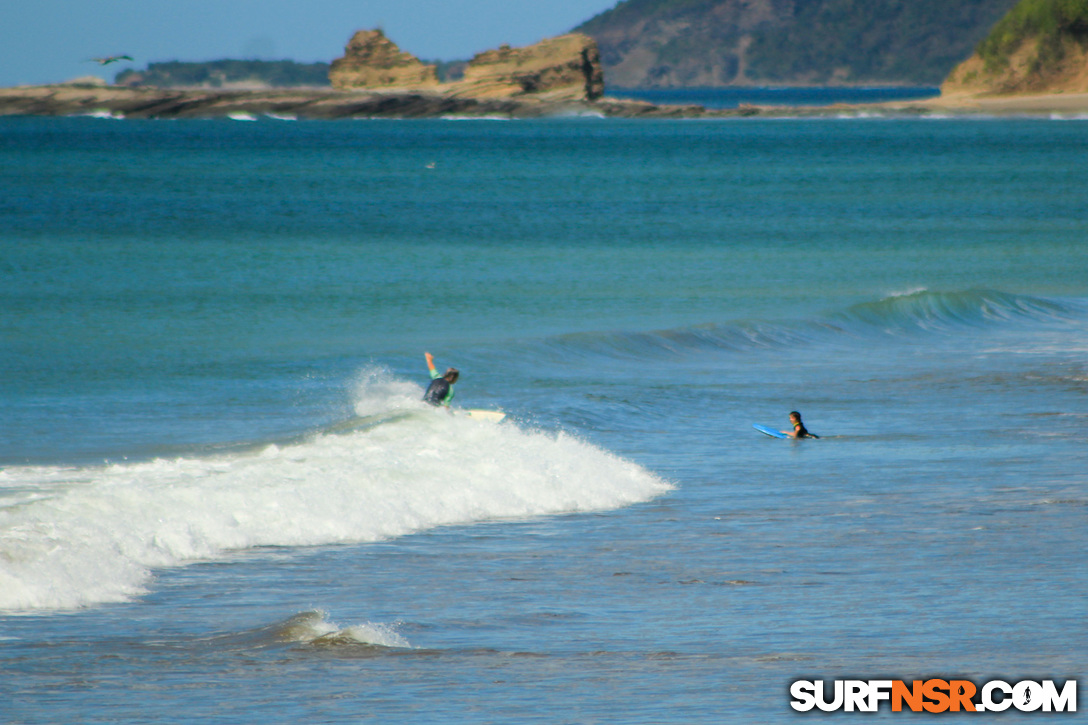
(492, 415)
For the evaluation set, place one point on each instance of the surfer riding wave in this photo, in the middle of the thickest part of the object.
(440, 392)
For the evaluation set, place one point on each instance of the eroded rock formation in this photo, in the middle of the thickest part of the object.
(373, 61)
(564, 68)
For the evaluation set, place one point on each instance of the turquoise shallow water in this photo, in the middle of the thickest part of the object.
(218, 481)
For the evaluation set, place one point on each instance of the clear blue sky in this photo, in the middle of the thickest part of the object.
(47, 41)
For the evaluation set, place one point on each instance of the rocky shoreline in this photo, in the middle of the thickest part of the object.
(73, 100)
(323, 103)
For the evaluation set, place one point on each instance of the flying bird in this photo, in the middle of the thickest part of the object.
(111, 59)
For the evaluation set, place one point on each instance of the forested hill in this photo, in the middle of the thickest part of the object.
(227, 73)
(677, 43)
(249, 74)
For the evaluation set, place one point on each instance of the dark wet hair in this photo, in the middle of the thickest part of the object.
(793, 413)
(451, 375)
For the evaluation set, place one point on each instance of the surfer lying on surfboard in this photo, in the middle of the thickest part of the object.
(440, 391)
(799, 429)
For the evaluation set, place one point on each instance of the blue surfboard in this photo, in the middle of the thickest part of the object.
(769, 431)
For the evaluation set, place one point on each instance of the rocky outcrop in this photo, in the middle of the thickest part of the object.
(373, 61)
(123, 102)
(1022, 73)
(564, 68)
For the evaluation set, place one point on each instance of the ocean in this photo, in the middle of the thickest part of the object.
(222, 499)
(789, 96)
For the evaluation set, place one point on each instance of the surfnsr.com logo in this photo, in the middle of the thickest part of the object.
(934, 695)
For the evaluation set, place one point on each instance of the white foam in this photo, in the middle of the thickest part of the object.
(909, 292)
(102, 113)
(579, 113)
(454, 117)
(241, 116)
(72, 537)
(852, 115)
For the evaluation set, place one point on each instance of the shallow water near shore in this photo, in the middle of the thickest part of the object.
(221, 498)
(786, 96)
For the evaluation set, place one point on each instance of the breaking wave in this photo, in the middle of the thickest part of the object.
(78, 536)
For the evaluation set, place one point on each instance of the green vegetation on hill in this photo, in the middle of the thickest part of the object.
(216, 74)
(1050, 22)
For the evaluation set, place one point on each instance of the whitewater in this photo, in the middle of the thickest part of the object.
(74, 537)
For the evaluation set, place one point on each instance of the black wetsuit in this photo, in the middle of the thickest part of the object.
(437, 391)
(802, 432)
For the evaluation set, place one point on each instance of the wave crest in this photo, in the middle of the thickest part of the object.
(94, 535)
(314, 628)
(946, 311)
(899, 314)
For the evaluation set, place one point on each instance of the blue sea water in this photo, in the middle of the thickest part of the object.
(221, 499)
(793, 96)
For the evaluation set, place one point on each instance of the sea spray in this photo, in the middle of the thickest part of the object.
(376, 391)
